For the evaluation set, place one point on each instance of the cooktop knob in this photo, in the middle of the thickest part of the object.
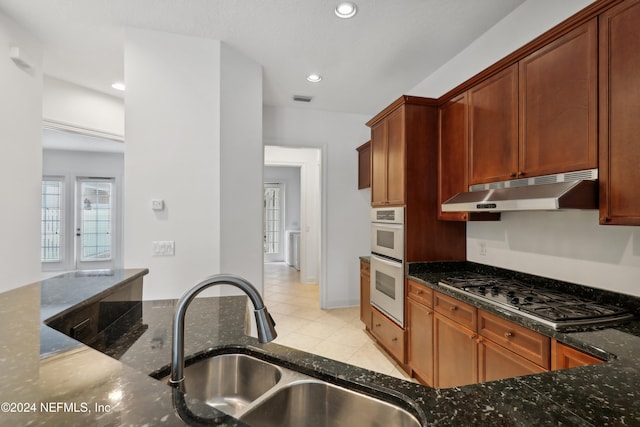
(482, 289)
(511, 294)
(528, 299)
(515, 300)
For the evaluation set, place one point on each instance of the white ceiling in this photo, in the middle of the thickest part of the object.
(368, 61)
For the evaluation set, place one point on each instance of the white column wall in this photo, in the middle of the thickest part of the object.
(241, 168)
(21, 160)
(172, 152)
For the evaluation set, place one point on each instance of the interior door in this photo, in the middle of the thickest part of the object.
(95, 223)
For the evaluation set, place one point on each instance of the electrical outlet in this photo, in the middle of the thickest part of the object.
(163, 248)
(483, 249)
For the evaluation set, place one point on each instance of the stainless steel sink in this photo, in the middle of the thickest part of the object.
(315, 403)
(230, 382)
(260, 394)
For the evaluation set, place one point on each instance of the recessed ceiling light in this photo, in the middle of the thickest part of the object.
(314, 78)
(118, 86)
(346, 9)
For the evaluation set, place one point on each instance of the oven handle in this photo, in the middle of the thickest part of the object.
(390, 263)
(387, 225)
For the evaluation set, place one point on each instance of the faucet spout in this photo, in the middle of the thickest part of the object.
(264, 321)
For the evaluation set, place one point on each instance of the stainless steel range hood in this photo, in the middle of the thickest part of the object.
(529, 195)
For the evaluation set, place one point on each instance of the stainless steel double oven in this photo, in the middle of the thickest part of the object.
(387, 261)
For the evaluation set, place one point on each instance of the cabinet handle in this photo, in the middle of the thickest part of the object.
(472, 336)
(394, 339)
(420, 292)
(428, 313)
(378, 325)
(521, 173)
(512, 175)
(453, 308)
(508, 335)
(480, 341)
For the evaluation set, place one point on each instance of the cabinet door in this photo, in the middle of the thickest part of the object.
(619, 170)
(558, 105)
(364, 165)
(455, 353)
(365, 294)
(493, 124)
(379, 163)
(420, 334)
(496, 362)
(452, 154)
(395, 157)
(564, 357)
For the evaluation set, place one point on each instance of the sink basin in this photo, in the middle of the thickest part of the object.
(315, 403)
(263, 394)
(230, 382)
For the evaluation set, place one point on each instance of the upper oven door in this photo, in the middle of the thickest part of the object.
(388, 240)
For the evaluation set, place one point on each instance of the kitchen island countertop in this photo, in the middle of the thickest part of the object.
(81, 386)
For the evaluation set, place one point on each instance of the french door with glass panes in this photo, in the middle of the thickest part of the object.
(273, 222)
(94, 223)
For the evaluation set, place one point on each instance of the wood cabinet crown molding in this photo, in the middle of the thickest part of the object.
(569, 24)
(403, 100)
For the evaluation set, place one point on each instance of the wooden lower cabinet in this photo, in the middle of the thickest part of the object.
(496, 362)
(455, 353)
(365, 294)
(564, 357)
(389, 335)
(420, 341)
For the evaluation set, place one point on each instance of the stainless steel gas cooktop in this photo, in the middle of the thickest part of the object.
(552, 308)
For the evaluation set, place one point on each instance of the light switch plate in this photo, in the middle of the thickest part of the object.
(163, 248)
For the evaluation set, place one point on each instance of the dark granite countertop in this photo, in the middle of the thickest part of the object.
(100, 390)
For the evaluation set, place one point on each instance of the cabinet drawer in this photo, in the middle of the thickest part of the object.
(522, 341)
(420, 293)
(388, 334)
(457, 310)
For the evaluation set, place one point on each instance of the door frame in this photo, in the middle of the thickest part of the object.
(279, 256)
(321, 210)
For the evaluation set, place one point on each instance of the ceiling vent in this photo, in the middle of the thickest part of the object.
(302, 98)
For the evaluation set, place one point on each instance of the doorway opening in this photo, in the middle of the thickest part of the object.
(300, 228)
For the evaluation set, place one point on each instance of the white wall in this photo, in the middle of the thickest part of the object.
(172, 152)
(21, 160)
(69, 106)
(569, 246)
(346, 209)
(189, 102)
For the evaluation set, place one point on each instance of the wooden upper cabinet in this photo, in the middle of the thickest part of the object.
(452, 154)
(493, 128)
(558, 105)
(619, 170)
(388, 160)
(379, 163)
(364, 165)
(396, 157)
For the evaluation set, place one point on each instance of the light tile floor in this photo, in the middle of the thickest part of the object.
(337, 334)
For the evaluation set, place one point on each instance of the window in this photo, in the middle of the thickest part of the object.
(272, 219)
(51, 222)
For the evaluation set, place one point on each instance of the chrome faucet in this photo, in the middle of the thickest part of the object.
(264, 321)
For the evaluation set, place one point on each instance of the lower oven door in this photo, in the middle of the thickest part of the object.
(387, 287)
